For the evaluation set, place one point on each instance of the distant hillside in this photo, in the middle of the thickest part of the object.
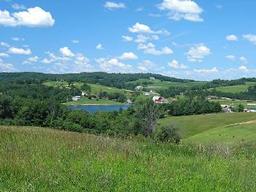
(109, 79)
(244, 88)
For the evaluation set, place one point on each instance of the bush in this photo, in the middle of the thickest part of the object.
(168, 134)
(69, 126)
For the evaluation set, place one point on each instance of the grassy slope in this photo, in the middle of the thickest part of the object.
(99, 88)
(192, 125)
(157, 84)
(235, 88)
(232, 135)
(95, 89)
(34, 159)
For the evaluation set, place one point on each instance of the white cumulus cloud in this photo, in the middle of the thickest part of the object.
(198, 52)
(32, 17)
(243, 68)
(251, 38)
(128, 56)
(182, 9)
(140, 28)
(127, 38)
(31, 60)
(66, 52)
(151, 49)
(4, 55)
(99, 46)
(6, 67)
(176, 65)
(19, 51)
(114, 5)
(17, 6)
(113, 65)
(231, 57)
(231, 37)
(207, 71)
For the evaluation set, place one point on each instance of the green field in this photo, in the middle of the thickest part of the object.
(37, 159)
(95, 88)
(156, 84)
(61, 84)
(193, 125)
(230, 135)
(235, 88)
(100, 88)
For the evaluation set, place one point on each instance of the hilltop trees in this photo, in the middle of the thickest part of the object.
(192, 105)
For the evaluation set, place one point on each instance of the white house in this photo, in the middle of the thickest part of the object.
(76, 98)
(159, 100)
(139, 88)
(226, 108)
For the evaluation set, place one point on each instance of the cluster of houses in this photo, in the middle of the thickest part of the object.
(160, 100)
(155, 96)
(228, 109)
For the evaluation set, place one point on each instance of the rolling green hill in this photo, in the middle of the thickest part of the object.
(36, 159)
(235, 88)
(192, 125)
(157, 84)
(232, 135)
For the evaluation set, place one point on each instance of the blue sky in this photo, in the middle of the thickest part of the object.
(194, 39)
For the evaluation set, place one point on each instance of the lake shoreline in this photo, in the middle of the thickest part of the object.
(99, 108)
(96, 104)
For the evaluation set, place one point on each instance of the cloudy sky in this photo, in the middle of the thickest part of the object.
(196, 39)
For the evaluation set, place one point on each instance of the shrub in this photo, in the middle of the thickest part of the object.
(69, 126)
(168, 134)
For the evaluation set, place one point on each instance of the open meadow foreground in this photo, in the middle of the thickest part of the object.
(36, 159)
(127, 96)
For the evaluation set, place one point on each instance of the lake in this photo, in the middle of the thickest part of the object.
(99, 108)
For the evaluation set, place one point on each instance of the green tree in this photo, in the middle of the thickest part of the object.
(147, 114)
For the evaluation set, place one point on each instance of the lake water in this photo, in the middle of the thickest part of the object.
(98, 108)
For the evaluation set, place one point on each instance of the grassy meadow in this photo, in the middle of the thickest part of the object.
(37, 159)
(192, 125)
(156, 84)
(231, 135)
(236, 88)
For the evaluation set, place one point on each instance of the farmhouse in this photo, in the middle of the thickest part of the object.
(139, 88)
(250, 110)
(159, 100)
(226, 108)
(76, 98)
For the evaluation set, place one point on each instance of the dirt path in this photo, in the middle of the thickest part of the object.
(243, 123)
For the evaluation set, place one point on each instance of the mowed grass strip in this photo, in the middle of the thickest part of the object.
(195, 124)
(35, 159)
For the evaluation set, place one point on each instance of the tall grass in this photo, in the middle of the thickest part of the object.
(35, 159)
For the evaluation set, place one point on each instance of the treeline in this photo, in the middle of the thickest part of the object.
(119, 97)
(192, 105)
(250, 94)
(208, 90)
(108, 79)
